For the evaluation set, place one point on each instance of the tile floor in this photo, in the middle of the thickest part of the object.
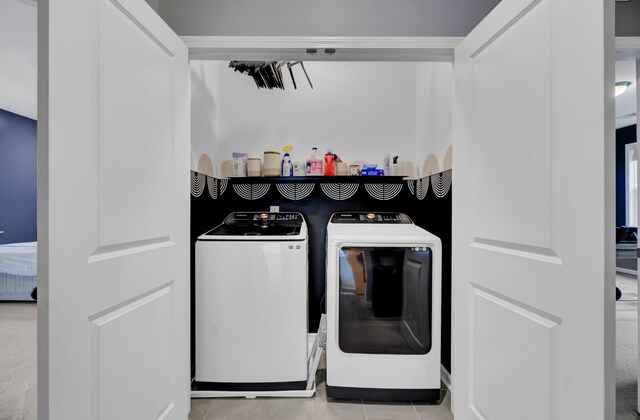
(315, 408)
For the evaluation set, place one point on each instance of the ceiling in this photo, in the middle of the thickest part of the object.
(18, 46)
(626, 104)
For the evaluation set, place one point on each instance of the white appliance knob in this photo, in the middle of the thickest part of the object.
(371, 216)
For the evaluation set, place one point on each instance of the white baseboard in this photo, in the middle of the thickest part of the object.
(305, 393)
(626, 271)
(445, 377)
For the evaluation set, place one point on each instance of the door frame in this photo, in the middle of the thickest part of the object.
(347, 48)
(286, 48)
(637, 55)
(628, 48)
(412, 49)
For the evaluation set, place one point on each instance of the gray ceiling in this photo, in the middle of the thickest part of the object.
(628, 18)
(344, 18)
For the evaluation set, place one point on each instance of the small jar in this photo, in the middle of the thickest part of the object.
(254, 166)
(271, 163)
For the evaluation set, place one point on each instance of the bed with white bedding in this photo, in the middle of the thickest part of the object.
(18, 270)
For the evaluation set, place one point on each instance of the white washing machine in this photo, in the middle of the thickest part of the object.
(251, 304)
(383, 308)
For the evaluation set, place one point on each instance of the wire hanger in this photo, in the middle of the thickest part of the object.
(303, 69)
(268, 74)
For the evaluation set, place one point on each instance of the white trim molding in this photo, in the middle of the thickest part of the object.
(627, 47)
(626, 271)
(445, 377)
(33, 3)
(391, 48)
(344, 48)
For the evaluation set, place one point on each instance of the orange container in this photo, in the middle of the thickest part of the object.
(329, 167)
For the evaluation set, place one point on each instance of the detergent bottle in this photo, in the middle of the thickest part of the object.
(286, 167)
(329, 163)
(314, 163)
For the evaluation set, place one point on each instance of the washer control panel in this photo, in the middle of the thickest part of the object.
(371, 217)
(259, 224)
(278, 217)
(266, 218)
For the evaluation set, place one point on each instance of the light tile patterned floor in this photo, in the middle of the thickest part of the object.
(315, 408)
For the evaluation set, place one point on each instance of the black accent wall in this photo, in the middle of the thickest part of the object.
(18, 183)
(427, 202)
(623, 136)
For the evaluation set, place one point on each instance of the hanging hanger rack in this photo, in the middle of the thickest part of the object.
(291, 64)
(268, 74)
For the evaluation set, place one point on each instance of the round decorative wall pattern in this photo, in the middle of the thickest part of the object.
(430, 166)
(441, 183)
(295, 192)
(216, 187)
(251, 191)
(205, 166)
(383, 192)
(339, 191)
(419, 187)
(197, 183)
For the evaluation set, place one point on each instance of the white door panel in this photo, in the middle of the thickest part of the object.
(114, 232)
(531, 270)
(131, 364)
(519, 150)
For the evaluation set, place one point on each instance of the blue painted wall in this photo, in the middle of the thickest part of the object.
(18, 183)
(623, 136)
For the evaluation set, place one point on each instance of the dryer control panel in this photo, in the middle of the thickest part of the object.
(371, 217)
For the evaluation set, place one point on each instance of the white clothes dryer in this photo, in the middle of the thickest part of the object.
(383, 293)
(251, 304)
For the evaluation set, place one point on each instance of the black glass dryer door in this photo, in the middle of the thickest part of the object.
(384, 300)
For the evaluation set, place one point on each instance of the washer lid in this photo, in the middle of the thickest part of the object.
(257, 226)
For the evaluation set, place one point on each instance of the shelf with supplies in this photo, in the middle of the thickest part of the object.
(340, 186)
(316, 179)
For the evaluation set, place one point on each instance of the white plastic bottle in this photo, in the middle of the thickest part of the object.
(394, 166)
(314, 163)
(287, 166)
(387, 164)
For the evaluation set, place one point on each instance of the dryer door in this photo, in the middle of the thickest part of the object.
(385, 300)
(415, 323)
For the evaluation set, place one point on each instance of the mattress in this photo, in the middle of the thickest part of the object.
(19, 259)
(18, 270)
